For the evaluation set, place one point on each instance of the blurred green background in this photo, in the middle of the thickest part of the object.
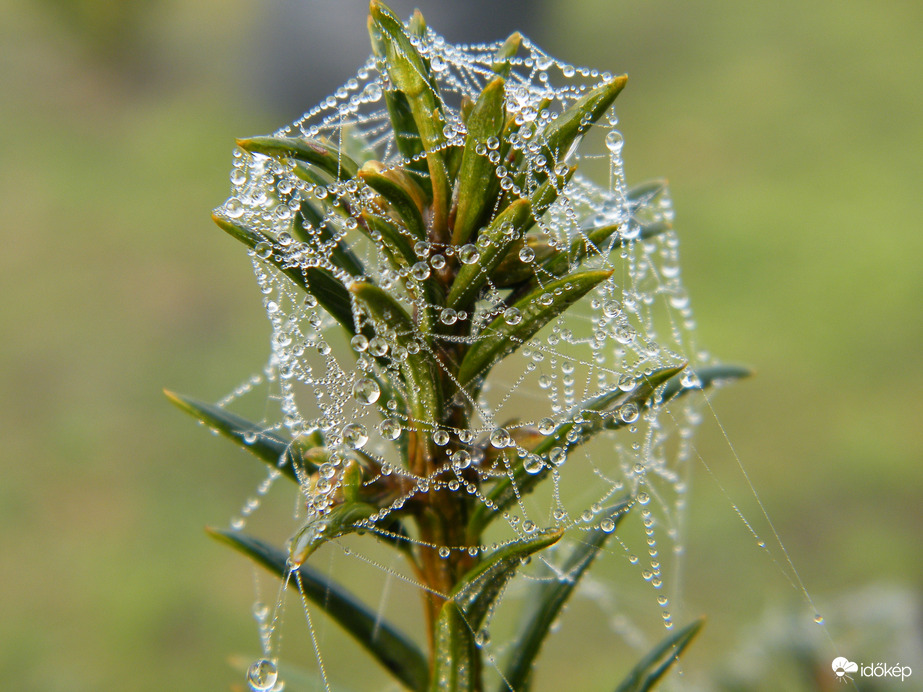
(791, 133)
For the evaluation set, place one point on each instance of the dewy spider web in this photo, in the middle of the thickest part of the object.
(633, 324)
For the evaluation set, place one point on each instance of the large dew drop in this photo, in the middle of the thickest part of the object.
(366, 391)
(262, 675)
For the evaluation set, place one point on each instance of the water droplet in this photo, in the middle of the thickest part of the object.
(437, 261)
(373, 92)
(421, 249)
(260, 611)
(420, 271)
(441, 438)
(624, 334)
(557, 456)
(819, 619)
(526, 254)
(355, 435)
(390, 429)
(492, 143)
(533, 464)
(500, 438)
(612, 308)
(607, 525)
(643, 499)
(629, 412)
(461, 459)
(444, 552)
(262, 675)
(529, 526)
(512, 316)
(546, 426)
(615, 141)
(359, 343)
(366, 391)
(233, 208)
(263, 250)
(378, 346)
(448, 316)
(468, 254)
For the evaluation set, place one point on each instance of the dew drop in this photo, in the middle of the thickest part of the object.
(468, 254)
(607, 525)
(390, 429)
(461, 459)
(615, 141)
(421, 249)
(526, 254)
(546, 426)
(366, 391)
(420, 271)
(444, 552)
(441, 438)
(355, 435)
(533, 464)
(448, 316)
(819, 619)
(629, 412)
(359, 343)
(262, 250)
(262, 675)
(612, 307)
(378, 346)
(233, 208)
(260, 611)
(500, 438)
(373, 92)
(512, 316)
(437, 261)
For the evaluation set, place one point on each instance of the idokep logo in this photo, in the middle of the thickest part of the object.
(842, 666)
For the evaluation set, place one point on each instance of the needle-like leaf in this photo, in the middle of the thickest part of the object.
(388, 645)
(477, 174)
(417, 367)
(324, 286)
(703, 378)
(650, 669)
(599, 413)
(401, 193)
(410, 74)
(505, 53)
(266, 445)
(478, 589)
(455, 658)
(509, 331)
(545, 604)
(501, 234)
(561, 132)
(327, 157)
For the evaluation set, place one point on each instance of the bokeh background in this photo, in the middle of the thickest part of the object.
(791, 133)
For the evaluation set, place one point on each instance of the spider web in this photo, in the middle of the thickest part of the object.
(633, 324)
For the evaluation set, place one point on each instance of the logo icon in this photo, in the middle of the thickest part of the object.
(842, 666)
